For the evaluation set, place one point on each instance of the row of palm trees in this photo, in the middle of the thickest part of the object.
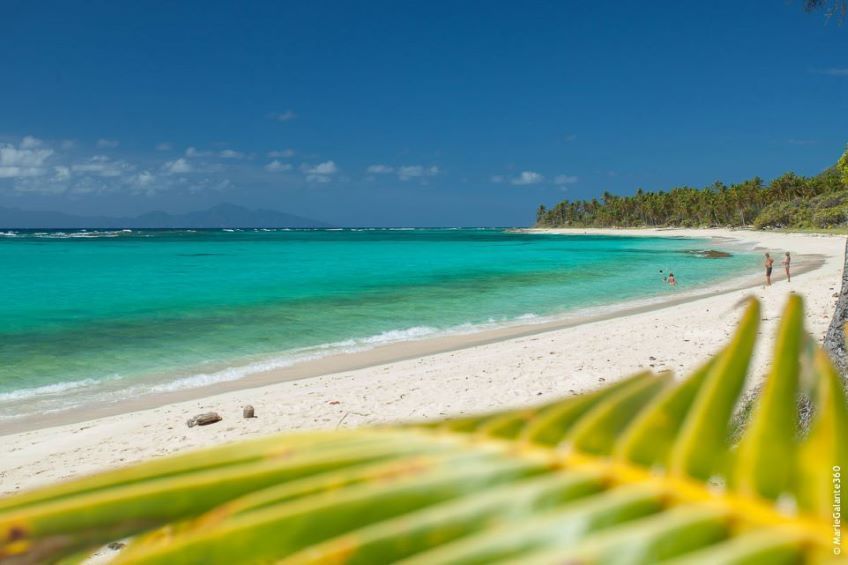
(716, 205)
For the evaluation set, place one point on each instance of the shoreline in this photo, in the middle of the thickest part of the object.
(434, 377)
(404, 350)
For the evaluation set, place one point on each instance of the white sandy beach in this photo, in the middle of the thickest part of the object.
(504, 372)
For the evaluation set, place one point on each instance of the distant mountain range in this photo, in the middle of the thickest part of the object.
(220, 216)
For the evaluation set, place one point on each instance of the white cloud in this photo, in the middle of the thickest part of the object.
(325, 168)
(68, 144)
(164, 146)
(8, 172)
(39, 185)
(25, 160)
(144, 178)
(284, 153)
(527, 178)
(318, 178)
(276, 166)
(146, 183)
(224, 154)
(102, 166)
(321, 173)
(834, 72)
(404, 172)
(34, 166)
(107, 143)
(30, 142)
(286, 116)
(178, 166)
(497, 179)
(564, 179)
(407, 172)
(62, 173)
(193, 152)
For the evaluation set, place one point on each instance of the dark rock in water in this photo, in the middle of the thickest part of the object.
(204, 419)
(248, 412)
(709, 253)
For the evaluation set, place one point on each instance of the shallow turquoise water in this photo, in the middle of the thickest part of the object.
(106, 315)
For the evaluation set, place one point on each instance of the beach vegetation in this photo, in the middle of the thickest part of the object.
(647, 469)
(838, 8)
(788, 201)
(842, 167)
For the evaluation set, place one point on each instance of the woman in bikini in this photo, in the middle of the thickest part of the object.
(786, 261)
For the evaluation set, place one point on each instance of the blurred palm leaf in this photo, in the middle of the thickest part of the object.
(641, 471)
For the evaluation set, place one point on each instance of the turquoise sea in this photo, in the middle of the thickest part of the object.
(100, 316)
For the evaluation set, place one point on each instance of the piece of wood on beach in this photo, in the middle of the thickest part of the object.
(248, 412)
(204, 419)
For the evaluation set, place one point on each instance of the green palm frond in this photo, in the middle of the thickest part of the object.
(641, 471)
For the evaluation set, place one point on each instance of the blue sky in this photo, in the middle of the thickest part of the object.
(406, 112)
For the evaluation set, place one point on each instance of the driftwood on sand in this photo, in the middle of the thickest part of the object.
(204, 419)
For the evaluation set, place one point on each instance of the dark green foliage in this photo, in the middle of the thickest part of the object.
(789, 201)
(824, 211)
(841, 169)
(837, 8)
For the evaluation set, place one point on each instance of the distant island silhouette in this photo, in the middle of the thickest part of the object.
(220, 216)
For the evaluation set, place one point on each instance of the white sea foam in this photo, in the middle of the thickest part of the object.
(83, 234)
(222, 376)
(389, 336)
(296, 356)
(62, 396)
(46, 390)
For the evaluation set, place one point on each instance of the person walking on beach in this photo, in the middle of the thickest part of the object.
(769, 263)
(786, 261)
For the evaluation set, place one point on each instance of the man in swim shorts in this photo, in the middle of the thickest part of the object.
(769, 263)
